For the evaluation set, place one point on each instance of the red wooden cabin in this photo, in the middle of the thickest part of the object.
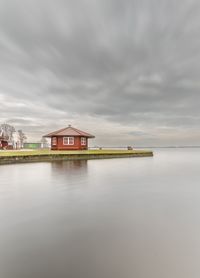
(69, 138)
(3, 143)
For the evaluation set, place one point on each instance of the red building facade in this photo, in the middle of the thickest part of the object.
(69, 138)
(3, 143)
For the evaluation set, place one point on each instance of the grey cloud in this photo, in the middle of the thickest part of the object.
(126, 63)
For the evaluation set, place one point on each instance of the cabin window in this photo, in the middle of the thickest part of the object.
(54, 141)
(83, 141)
(68, 140)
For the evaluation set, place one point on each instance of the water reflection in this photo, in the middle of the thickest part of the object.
(69, 167)
(68, 175)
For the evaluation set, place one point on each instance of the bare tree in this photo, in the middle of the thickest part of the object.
(1, 131)
(22, 137)
(7, 131)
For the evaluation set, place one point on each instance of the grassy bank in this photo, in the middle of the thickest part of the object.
(49, 152)
(7, 157)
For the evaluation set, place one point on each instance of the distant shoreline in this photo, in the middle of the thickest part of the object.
(150, 147)
(170, 147)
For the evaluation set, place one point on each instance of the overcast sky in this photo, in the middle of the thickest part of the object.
(127, 71)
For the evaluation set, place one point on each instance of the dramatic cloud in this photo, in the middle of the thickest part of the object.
(127, 71)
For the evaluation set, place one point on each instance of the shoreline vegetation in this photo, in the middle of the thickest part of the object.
(25, 156)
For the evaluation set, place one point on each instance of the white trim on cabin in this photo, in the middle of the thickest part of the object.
(54, 141)
(83, 141)
(68, 141)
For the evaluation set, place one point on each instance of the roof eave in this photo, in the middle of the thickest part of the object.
(57, 135)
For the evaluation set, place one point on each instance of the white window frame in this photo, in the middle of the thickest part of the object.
(54, 141)
(66, 141)
(83, 141)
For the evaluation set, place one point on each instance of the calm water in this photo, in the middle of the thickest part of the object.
(118, 218)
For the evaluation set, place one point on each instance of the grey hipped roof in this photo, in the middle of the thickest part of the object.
(69, 131)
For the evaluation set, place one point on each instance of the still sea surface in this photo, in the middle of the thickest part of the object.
(114, 218)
